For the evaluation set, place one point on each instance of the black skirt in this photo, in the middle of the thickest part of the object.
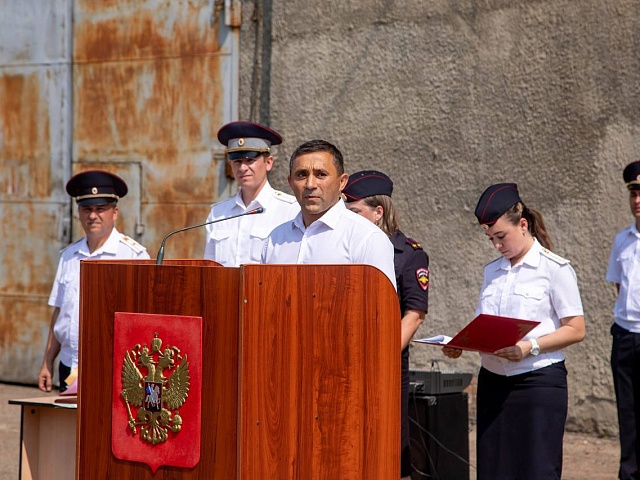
(521, 422)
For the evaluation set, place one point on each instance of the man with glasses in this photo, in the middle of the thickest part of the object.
(97, 193)
(239, 240)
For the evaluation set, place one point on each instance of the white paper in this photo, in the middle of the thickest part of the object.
(435, 340)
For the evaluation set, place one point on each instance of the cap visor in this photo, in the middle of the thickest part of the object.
(243, 154)
(85, 202)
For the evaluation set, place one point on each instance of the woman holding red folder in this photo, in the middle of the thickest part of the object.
(522, 389)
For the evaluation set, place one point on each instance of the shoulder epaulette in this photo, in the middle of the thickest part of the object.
(131, 243)
(285, 197)
(415, 245)
(556, 258)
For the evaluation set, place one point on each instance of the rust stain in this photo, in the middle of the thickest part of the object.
(111, 30)
(164, 218)
(163, 111)
(29, 260)
(22, 324)
(148, 105)
(24, 137)
(148, 93)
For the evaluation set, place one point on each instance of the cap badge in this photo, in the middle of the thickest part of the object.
(241, 142)
(638, 178)
(94, 190)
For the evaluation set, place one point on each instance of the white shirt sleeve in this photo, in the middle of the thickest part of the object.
(614, 272)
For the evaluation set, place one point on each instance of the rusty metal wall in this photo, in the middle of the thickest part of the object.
(139, 88)
(35, 73)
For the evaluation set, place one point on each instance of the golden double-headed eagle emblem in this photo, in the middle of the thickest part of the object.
(156, 396)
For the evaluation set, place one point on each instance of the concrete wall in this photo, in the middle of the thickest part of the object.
(449, 97)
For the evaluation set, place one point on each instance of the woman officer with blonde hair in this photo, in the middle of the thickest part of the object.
(368, 193)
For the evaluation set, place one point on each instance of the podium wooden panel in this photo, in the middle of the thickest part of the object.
(320, 373)
(301, 367)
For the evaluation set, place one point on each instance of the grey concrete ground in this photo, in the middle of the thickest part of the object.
(586, 456)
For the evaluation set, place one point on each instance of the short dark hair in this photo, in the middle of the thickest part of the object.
(314, 146)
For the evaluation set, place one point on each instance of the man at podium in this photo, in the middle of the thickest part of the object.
(97, 193)
(325, 231)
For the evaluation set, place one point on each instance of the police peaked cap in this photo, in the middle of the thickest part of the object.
(495, 201)
(243, 137)
(367, 184)
(96, 187)
(631, 175)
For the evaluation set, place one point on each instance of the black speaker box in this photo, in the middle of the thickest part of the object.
(439, 436)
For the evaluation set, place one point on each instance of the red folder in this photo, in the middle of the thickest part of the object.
(486, 333)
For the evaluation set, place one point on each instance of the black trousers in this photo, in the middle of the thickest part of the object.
(625, 364)
(63, 372)
(405, 449)
(521, 422)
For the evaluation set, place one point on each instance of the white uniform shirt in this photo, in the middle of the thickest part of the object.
(541, 287)
(65, 293)
(238, 241)
(339, 236)
(624, 269)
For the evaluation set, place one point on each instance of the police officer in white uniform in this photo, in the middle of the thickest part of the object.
(624, 272)
(325, 231)
(239, 240)
(96, 193)
(522, 389)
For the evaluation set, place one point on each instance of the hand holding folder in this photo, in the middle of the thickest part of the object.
(485, 333)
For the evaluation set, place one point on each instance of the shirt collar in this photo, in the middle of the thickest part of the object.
(532, 258)
(330, 218)
(110, 246)
(261, 200)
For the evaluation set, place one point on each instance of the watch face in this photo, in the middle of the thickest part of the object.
(535, 348)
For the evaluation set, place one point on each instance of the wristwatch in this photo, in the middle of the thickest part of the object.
(535, 348)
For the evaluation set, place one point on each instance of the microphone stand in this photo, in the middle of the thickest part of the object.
(160, 256)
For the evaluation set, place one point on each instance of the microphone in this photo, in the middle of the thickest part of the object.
(160, 256)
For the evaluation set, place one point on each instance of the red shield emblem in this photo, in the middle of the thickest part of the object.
(157, 385)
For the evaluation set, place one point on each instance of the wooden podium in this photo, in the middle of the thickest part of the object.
(300, 367)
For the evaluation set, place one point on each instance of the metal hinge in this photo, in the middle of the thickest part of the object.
(232, 12)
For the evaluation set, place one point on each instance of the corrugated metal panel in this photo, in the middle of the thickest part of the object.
(34, 131)
(143, 94)
(149, 86)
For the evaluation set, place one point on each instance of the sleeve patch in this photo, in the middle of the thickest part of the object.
(422, 274)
